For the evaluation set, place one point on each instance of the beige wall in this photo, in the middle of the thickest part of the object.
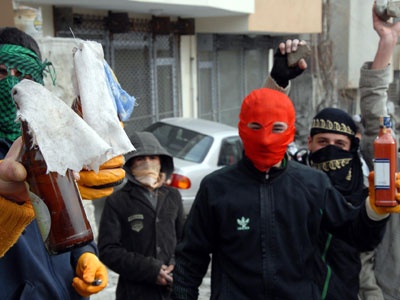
(271, 17)
(6, 13)
(287, 16)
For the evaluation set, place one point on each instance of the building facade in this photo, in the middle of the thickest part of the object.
(196, 59)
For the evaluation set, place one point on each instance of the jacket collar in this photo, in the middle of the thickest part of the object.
(259, 175)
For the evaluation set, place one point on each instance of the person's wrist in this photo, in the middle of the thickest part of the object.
(282, 82)
(373, 212)
(388, 39)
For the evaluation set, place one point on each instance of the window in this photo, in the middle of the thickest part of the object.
(182, 143)
(231, 151)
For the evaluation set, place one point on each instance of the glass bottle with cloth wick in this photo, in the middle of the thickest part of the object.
(56, 200)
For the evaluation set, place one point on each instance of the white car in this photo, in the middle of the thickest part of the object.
(198, 148)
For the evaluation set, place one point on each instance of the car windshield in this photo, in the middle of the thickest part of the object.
(182, 143)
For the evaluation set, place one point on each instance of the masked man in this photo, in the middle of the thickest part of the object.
(27, 270)
(260, 220)
(334, 149)
(142, 223)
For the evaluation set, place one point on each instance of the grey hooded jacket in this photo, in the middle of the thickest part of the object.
(380, 273)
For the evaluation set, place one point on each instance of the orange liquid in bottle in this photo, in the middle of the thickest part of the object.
(385, 165)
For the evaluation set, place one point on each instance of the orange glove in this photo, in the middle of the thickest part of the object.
(89, 271)
(94, 185)
(380, 209)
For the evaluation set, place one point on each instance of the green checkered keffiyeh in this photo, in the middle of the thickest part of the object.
(25, 61)
(9, 128)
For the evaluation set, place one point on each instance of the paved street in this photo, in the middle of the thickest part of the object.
(109, 292)
(93, 211)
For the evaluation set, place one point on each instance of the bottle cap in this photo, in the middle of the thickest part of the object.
(386, 122)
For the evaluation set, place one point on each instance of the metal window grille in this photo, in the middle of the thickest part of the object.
(229, 67)
(146, 65)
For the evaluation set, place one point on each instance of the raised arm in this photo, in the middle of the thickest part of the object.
(374, 83)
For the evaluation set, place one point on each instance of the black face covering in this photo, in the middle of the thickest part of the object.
(344, 170)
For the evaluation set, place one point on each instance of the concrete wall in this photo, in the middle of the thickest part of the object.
(284, 16)
(189, 76)
(270, 17)
(354, 39)
(239, 6)
(6, 13)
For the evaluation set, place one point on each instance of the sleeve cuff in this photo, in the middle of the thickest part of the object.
(270, 83)
(13, 220)
(372, 214)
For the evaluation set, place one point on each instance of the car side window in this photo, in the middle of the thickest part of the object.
(231, 151)
(196, 149)
(161, 132)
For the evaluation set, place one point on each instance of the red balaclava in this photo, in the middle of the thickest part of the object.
(265, 107)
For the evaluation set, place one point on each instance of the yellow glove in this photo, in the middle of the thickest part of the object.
(14, 218)
(381, 210)
(94, 185)
(89, 271)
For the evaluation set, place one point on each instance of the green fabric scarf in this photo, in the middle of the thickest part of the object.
(27, 63)
(9, 128)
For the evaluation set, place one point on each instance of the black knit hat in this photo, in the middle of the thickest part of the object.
(333, 120)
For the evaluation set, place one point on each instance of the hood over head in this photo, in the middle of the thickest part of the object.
(147, 144)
